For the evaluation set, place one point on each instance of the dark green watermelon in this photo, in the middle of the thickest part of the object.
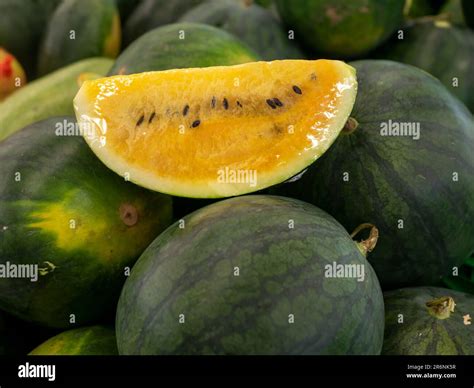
(413, 328)
(464, 278)
(69, 226)
(85, 341)
(417, 189)
(150, 14)
(245, 20)
(342, 28)
(182, 45)
(444, 51)
(249, 275)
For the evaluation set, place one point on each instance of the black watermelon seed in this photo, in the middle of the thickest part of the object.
(152, 116)
(196, 123)
(225, 103)
(140, 120)
(271, 103)
(277, 102)
(213, 102)
(297, 90)
(185, 110)
(239, 104)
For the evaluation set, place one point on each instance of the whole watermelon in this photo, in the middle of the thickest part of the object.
(342, 28)
(418, 8)
(182, 45)
(18, 337)
(404, 163)
(245, 20)
(69, 227)
(442, 50)
(249, 275)
(428, 321)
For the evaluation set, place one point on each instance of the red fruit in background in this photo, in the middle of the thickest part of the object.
(12, 75)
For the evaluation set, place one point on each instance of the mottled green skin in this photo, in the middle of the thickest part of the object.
(246, 21)
(393, 178)
(92, 23)
(342, 28)
(22, 23)
(150, 14)
(48, 96)
(161, 49)
(468, 10)
(190, 271)
(86, 341)
(62, 180)
(421, 333)
(443, 52)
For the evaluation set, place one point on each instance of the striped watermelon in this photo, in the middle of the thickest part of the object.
(416, 184)
(251, 275)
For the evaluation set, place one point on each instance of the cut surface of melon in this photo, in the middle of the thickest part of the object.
(216, 131)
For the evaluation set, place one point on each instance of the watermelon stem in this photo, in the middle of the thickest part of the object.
(368, 245)
(350, 126)
(441, 308)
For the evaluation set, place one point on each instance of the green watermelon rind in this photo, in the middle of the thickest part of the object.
(85, 341)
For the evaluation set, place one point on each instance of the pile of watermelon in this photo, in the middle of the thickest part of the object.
(368, 250)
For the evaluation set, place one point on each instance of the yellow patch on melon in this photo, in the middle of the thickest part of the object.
(139, 126)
